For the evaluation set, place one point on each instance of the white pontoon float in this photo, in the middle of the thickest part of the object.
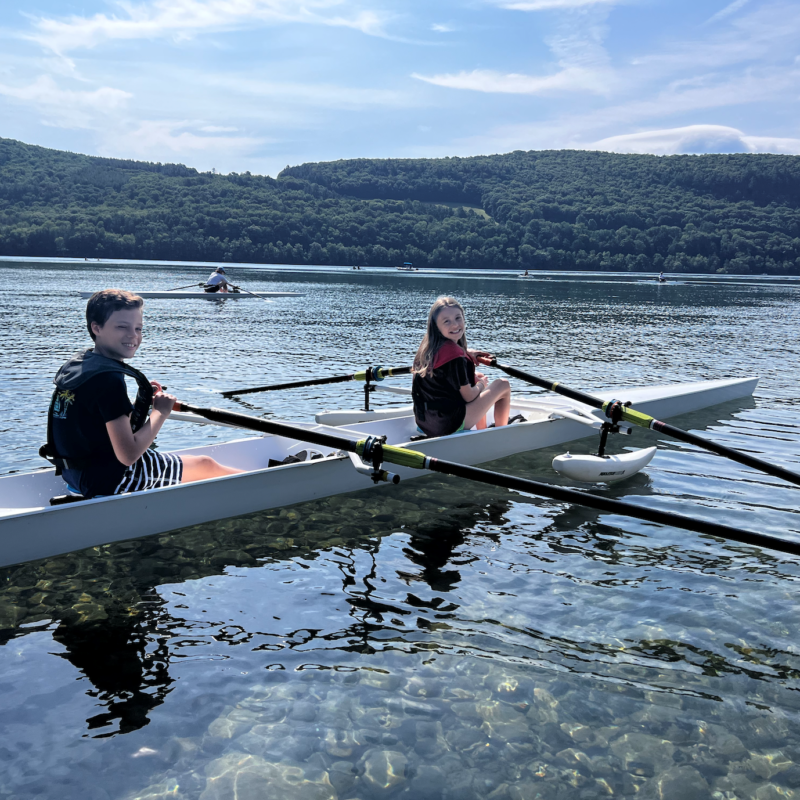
(30, 528)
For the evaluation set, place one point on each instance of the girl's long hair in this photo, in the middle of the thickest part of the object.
(433, 339)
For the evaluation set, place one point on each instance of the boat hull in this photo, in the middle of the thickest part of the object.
(206, 295)
(32, 529)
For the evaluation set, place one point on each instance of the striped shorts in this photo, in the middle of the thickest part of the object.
(153, 470)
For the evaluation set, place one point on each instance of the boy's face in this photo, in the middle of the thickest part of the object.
(121, 336)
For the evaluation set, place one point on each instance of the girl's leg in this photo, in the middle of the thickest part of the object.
(198, 468)
(498, 395)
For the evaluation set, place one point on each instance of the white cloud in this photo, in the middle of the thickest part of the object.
(65, 107)
(581, 65)
(552, 5)
(728, 10)
(164, 140)
(181, 19)
(315, 95)
(442, 28)
(218, 129)
(695, 139)
(688, 139)
(772, 144)
(768, 33)
(572, 79)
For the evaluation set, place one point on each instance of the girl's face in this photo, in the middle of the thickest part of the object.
(450, 323)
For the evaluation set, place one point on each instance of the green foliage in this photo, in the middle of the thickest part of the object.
(537, 210)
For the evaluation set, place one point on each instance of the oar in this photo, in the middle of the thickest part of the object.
(246, 291)
(370, 374)
(373, 451)
(616, 411)
(188, 286)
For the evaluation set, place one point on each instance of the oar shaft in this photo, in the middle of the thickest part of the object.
(646, 421)
(188, 285)
(720, 449)
(416, 460)
(293, 385)
(566, 495)
(372, 374)
(573, 394)
(267, 426)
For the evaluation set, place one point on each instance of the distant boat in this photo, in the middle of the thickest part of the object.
(205, 295)
(408, 267)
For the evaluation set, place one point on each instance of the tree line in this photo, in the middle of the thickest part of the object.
(565, 210)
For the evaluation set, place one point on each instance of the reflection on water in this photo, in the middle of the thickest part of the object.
(437, 639)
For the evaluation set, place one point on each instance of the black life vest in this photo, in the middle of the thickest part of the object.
(427, 392)
(77, 371)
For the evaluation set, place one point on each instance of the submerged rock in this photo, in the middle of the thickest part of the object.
(679, 783)
(642, 752)
(247, 777)
(165, 790)
(384, 769)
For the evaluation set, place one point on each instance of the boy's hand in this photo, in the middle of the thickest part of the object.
(163, 402)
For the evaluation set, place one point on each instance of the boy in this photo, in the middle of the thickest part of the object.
(95, 437)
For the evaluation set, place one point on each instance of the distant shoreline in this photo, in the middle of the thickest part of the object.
(422, 272)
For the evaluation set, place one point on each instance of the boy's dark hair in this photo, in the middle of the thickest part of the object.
(104, 303)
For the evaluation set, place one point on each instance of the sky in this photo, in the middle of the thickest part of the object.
(256, 85)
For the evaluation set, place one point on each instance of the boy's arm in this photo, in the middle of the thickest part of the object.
(128, 446)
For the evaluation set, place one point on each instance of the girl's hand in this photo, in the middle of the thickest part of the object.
(481, 356)
(156, 387)
(479, 376)
(163, 402)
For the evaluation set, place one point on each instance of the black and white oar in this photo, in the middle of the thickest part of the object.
(373, 452)
(247, 291)
(617, 411)
(368, 375)
(188, 286)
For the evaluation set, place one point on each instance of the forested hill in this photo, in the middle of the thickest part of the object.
(523, 210)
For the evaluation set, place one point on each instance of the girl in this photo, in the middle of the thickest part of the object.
(449, 395)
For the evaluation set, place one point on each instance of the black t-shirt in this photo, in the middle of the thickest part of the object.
(439, 408)
(79, 431)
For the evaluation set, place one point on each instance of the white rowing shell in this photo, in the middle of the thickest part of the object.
(30, 528)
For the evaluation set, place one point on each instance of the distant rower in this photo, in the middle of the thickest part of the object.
(217, 282)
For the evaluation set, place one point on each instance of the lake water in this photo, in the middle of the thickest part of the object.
(438, 639)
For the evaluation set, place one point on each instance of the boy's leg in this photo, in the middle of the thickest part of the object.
(198, 468)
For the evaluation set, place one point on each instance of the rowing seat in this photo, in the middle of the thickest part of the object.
(63, 499)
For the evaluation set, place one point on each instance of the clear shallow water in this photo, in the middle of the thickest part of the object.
(435, 639)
